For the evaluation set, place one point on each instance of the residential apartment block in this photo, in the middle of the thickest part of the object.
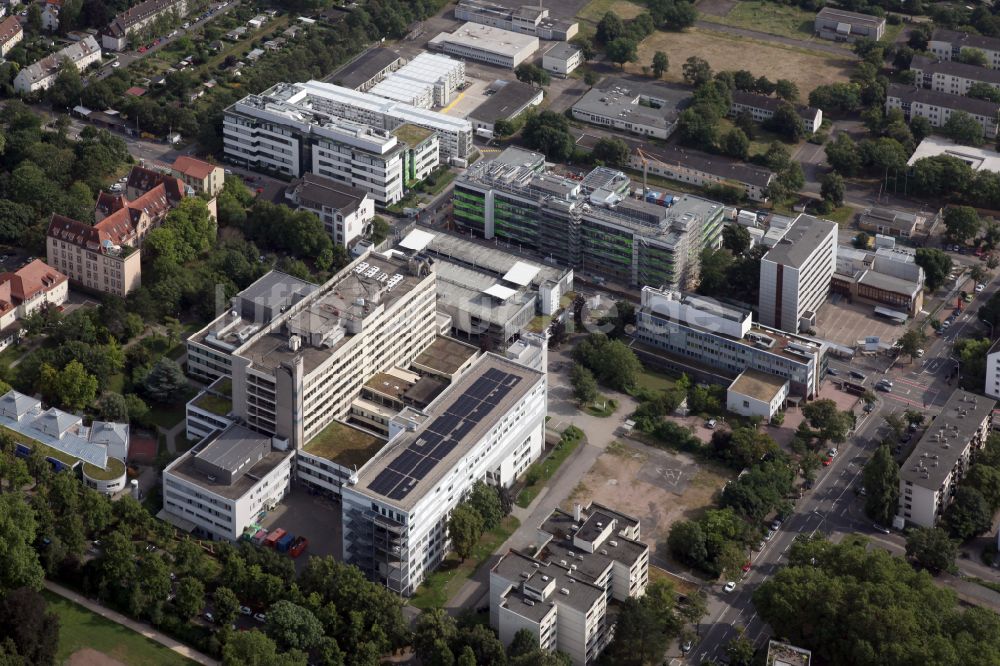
(887, 277)
(795, 274)
(526, 19)
(104, 257)
(225, 482)
(937, 107)
(701, 169)
(24, 291)
(346, 211)
(488, 425)
(202, 177)
(115, 36)
(561, 591)
(930, 476)
(761, 108)
(950, 76)
(42, 74)
(562, 59)
(716, 342)
(493, 46)
(591, 223)
(949, 44)
(11, 35)
(277, 129)
(844, 26)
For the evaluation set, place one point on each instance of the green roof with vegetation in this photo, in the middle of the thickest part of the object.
(115, 469)
(344, 445)
(222, 386)
(214, 404)
(412, 135)
(45, 449)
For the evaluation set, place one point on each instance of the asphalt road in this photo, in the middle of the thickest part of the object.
(833, 506)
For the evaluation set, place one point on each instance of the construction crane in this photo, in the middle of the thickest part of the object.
(645, 169)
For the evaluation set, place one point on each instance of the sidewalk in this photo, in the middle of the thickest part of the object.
(138, 627)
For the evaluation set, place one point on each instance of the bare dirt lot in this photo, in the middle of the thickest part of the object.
(657, 487)
(595, 10)
(90, 657)
(729, 52)
(716, 7)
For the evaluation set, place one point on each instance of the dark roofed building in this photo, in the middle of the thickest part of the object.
(510, 100)
(115, 36)
(950, 76)
(345, 211)
(949, 44)
(762, 108)
(367, 69)
(937, 107)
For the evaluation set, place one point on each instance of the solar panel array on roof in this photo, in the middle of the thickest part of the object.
(443, 434)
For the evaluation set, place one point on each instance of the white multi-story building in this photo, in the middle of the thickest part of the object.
(992, 387)
(430, 79)
(762, 108)
(756, 393)
(560, 591)
(526, 19)
(223, 484)
(488, 425)
(346, 211)
(950, 76)
(949, 45)
(494, 46)
(562, 58)
(795, 274)
(929, 477)
(11, 34)
(937, 107)
(42, 74)
(277, 129)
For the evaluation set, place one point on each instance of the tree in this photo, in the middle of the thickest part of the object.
(72, 387)
(911, 342)
(465, 526)
(611, 151)
(584, 384)
(590, 77)
(34, 21)
(485, 500)
(687, 543)
(610, 28)
(165, 381)
(841, 98)
(226, 605)
(698, 126)
(696, 71)
(963, 128)
(533, 74)
(113, 407)
(787, 122)
(380, 230)
(920, 128)
(435, 630)
(881, 477)
(843, 155)
(26, 622)
(969, 514)
(292, 626)
(548, 132)
(961, 223)
(832, 188)
(786, 90)
(715, 266)
(736, 144)
(660, 64)
(253, 648)
(973, 57)
(611, 361)
(736, 239)
(833, 424)
(645, 627)
(936, 265)
(740, 651)
(932, 548)
(190, 597)
(985, 479)
(466, 657)
(622, 50)
(980, 90)
(675, 15)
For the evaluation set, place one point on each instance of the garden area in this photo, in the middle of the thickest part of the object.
(542, 470)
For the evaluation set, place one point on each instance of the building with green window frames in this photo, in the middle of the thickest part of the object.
(593, 225)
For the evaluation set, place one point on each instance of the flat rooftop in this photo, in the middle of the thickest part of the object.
(465, 289)
(979, 159)
(785, 654)
(935, 455)
(445, 356)
(491, 260)
(487, 38)
(323, 320)
(508, 101)
(412, 135)
(623, 106)
(757, 384)
(459, 418)
(579, 594)
(364, 68)
(800, 241)
(344, 444)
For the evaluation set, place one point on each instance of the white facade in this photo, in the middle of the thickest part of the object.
(42, 74)
(755, 393)
(11, 34)
(562, 59)
(357, 155)
(938, 107)
(494, 46)
(992, 387)
(795, 274)
(398, 539)
(949, 44)
(951, 77)
(428, 80)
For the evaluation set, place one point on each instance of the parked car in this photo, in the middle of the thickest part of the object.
(827, 462)
(968, 298)
(858, 375)
(880, 528)
(775, 524)
(730, 586)
(761, 546)
(246, 610)
(260, 617)
(831, 372)
(710, 424)
(208, 616)
(832, 452)
(980, 287)
(686, 647)
(746, 566)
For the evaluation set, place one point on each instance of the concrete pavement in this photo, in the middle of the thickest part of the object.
(138, 627)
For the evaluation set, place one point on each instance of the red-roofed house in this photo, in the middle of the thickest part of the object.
(100, 257)
(11, 35)
(201, 176)
(34, 285)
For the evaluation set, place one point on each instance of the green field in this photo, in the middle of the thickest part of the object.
(769, 17)
(79, 629)
(655, 381)
(595, 10)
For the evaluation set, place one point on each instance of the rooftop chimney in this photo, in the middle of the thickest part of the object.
(576, 512)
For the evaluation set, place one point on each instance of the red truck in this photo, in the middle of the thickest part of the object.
(298, 546)
(273, 538)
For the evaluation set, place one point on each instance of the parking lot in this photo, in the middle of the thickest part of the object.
(312, 516)
(466, 101)
(845, 323)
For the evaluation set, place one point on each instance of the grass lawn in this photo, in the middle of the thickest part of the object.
(540, 323)
(595, 10)
(168, 416)
(769, 17)
(602, 407)
(762, 138)
(441, 181)
(655, 381)
(543, 470)
(807, 69)
(79, 629)
(446, 581)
